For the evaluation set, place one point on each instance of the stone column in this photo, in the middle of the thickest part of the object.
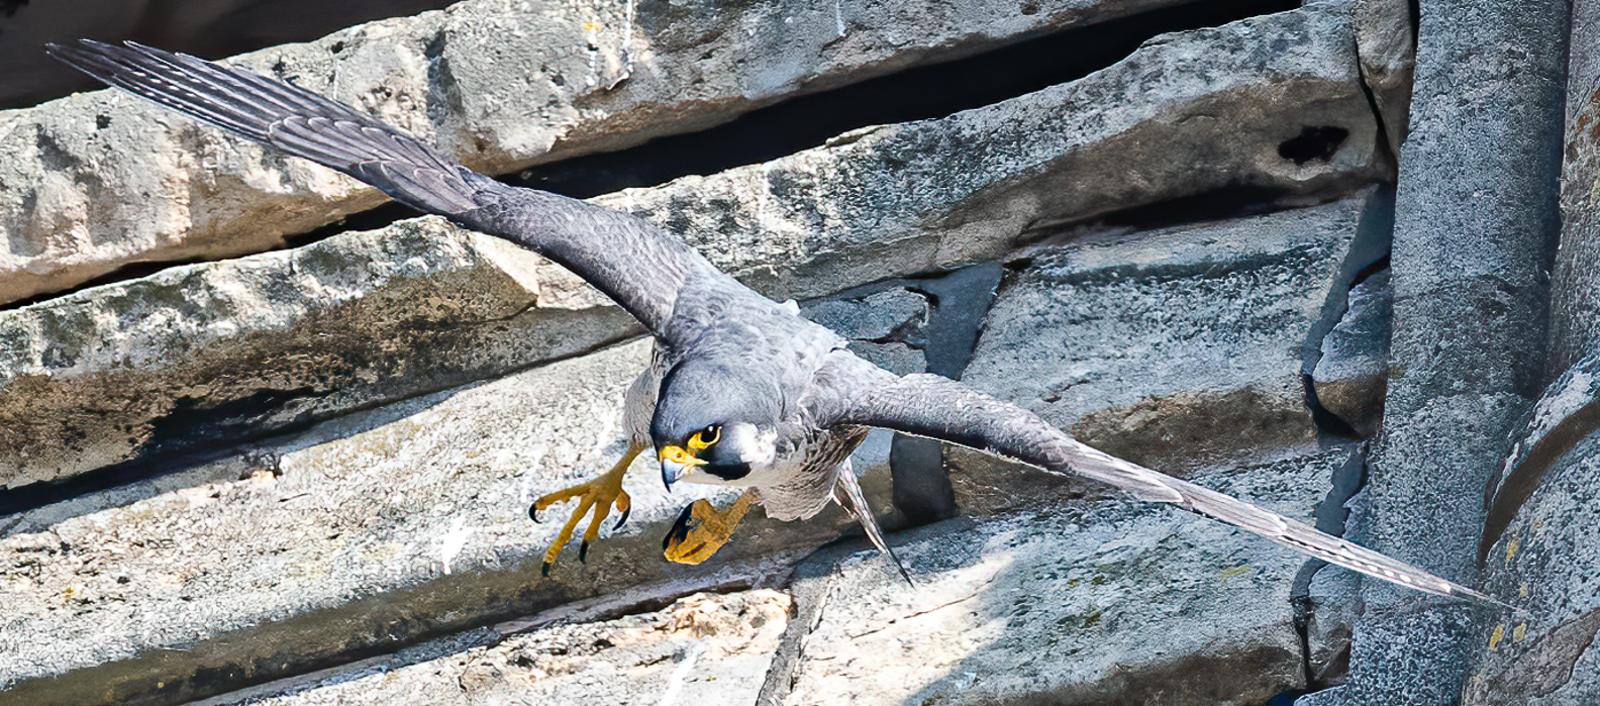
(1539, 545)
(1475, 229)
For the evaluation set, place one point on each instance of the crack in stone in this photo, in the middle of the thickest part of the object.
(1368, 254)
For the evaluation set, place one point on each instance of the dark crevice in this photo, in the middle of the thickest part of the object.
(1415, 9)
(1385, 147)
(1286, 698)
(23, 499)
(919, 93)
(808, 121)
(1367, 256)
(1314, 144)
(128, 272)
(958, 301)
(1238, 201)
(1300, 603)
(1228, 203)
(1332, 515)
(193, 422)
(187, 439)
(1371, 270)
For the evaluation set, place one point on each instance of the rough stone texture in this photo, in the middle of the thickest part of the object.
(379, 532)
(93, 182)
(1175, 348)
(1386, 45)
(1563, 416)
(1575, 279)
(916, 197)
(1534, 548)
(1474, 231)
(704, 649)
(215, 28)
(1353, 372)
(885, 327)
(1386, 41)
(1057, 606)
(201, 353)
(1543, 557)
(367, 531)
(894, 200)
(1327, 697)
(1334, 599)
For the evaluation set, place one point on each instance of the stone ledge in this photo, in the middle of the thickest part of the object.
(207, 353)
(1046, 605)
(1178, 348)
(93, 182)
(361, 534)
(704, 649)
(1056, 606)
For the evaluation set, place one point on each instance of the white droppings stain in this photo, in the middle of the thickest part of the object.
(451, 544)
(691, 655)
(627, 48)
(838, 17)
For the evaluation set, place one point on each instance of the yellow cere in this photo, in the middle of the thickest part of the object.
(680, 456)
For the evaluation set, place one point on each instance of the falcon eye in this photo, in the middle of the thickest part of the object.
(705, 438)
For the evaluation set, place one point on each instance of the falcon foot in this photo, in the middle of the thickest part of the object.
(600, 495)
(702, 529)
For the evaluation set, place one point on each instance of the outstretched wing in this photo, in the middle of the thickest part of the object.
(940, 408)
(638, 265)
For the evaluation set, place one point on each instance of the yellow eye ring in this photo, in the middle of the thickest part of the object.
(705, 438)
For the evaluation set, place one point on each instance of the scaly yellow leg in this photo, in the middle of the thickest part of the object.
(702, 529)
(601, 494)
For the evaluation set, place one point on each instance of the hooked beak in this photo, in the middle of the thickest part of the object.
(676, 461)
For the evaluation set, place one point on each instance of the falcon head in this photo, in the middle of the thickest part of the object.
(714, 423)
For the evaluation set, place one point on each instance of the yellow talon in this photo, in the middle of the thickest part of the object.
(601, 495)
(702, 529)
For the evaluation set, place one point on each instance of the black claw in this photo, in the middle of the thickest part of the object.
(545, 569)
(583, 552)
(680, 528)
(622, 519)
(533, 512)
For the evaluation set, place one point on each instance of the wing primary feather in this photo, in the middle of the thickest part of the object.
(936, 407)
(637, 264)
(289, 118)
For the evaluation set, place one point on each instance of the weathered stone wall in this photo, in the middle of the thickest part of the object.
(252, 453)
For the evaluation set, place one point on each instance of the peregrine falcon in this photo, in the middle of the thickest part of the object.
(741, 390)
